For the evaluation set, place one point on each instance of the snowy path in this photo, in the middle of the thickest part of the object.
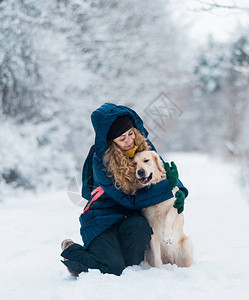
(216, 218)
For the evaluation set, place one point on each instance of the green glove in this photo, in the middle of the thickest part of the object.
(171, 173)
(179, 202)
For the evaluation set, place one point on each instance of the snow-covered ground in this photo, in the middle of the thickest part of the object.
(216, 218)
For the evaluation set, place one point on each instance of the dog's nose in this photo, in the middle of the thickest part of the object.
(141, 173)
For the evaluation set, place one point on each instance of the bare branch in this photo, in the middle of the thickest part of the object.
(208, 6)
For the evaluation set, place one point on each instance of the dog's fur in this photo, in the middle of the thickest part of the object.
(168, 243)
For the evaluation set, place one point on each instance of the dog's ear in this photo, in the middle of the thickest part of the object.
(158, 161)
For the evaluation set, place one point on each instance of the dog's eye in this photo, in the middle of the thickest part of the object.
(146, 160)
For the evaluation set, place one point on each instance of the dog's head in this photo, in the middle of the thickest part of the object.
(149, 167)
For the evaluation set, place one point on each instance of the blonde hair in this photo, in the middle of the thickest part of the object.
(121, 167)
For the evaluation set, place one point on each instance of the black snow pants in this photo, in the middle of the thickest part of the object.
(122, 245)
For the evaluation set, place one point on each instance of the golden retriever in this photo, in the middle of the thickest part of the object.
(168, 243)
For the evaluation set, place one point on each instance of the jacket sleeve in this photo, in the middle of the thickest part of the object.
(144, 197)
(179, 184)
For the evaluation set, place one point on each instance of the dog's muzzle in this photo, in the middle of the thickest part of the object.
(145, 180)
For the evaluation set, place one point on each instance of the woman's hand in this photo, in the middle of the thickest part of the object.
(179, 202)
(171, 173)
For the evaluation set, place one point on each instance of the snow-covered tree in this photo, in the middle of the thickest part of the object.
(20, 81)
(222, 91)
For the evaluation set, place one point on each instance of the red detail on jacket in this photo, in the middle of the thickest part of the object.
(99, 191)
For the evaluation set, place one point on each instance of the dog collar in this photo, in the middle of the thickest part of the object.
(131, 152)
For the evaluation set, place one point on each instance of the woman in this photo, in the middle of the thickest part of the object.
(114, 232)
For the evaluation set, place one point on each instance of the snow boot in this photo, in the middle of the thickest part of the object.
(64, 245)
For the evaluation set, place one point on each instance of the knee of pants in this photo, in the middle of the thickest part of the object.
(137, 227)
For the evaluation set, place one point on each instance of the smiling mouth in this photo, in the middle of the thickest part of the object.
(145, 180)
(130, 146)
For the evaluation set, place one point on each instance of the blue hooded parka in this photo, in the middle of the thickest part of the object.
(113, 205)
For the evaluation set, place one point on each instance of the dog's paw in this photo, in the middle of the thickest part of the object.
(168, 241)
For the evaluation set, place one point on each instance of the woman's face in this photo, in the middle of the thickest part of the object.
(126, 140)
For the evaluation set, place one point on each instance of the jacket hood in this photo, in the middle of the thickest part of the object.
(102, 119)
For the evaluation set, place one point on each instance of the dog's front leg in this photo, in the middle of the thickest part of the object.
(168, 226)
(156, 250)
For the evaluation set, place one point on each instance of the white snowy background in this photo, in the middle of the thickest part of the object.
(59, 61)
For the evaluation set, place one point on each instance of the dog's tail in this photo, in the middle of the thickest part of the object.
(184, 253)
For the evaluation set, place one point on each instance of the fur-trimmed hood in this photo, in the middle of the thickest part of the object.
(102, 119)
